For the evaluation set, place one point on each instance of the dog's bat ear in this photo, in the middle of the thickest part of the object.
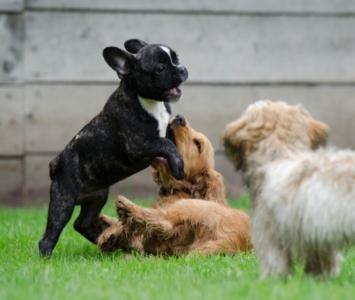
(134, 45)
(119, 60)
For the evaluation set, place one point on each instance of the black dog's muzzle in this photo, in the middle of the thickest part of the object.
(183, 73)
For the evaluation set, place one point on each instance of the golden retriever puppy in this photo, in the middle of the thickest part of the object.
(176, 223)
(303, 199)
(201, 180)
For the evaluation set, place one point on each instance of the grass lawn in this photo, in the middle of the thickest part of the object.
(78, 270)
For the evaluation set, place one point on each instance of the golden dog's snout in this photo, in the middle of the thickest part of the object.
(179, 120)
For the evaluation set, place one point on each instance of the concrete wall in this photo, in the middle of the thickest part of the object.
(53, 78)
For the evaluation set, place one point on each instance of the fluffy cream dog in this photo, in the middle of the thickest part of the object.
(303, 201)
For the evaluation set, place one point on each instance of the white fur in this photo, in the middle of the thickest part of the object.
(257, 103)
(310, 219)
(158, 110)
(167, 50)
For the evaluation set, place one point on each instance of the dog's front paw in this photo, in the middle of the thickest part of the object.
(177, 169)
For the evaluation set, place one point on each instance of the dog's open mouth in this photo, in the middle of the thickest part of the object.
(173, 94)
(159, 161)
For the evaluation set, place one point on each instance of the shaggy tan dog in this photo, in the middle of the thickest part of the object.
(303, 201)
(177, 224)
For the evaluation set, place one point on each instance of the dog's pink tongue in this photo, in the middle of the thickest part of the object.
(174, 92)
(159, 161)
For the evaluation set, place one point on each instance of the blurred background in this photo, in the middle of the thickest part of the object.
(53, 78)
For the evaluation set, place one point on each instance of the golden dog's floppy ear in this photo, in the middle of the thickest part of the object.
(318, 133)
(215, 188)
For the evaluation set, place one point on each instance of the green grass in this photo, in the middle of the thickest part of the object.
(78, 270)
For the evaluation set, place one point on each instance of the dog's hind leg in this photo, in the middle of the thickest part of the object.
(61, 206)
(212, 248)
(274, 259)
(324, 263)
(89, 222)
(220, 246)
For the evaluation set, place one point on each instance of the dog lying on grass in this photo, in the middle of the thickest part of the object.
(303, 199)
(180, 222)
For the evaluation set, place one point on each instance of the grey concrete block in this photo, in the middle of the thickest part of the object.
(11, 120)
(11, 47)
(251, 6)
(215, 48)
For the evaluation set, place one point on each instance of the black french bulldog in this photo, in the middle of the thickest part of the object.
(121, 140)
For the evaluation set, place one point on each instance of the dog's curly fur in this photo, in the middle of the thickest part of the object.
(179, 222)
(303, 198)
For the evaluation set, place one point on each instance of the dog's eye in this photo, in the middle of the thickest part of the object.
(198, 145)
(160, 68)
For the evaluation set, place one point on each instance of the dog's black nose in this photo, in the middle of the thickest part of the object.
(183, 73)
(179, 120)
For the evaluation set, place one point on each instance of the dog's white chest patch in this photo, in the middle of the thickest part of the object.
(158, 110)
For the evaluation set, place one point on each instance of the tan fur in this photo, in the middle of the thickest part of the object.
(303, 198)
(187, 225)
(177, 223)
(201, 180)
